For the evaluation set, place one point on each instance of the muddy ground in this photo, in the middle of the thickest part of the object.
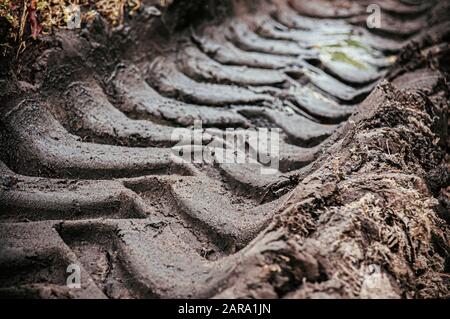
(359, 207)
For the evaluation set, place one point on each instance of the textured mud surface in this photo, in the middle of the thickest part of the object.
(358, 209)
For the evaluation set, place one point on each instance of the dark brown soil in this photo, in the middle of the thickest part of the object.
(358, 209)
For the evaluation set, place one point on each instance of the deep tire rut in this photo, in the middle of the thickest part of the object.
(87, 172)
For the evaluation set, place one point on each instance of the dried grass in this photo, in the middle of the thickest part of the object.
(21, 20)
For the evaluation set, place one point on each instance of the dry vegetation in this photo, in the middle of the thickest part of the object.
(21, 20)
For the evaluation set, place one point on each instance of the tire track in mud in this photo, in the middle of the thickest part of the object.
(88, 177)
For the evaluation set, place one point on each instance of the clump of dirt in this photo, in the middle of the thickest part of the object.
(365, 223)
